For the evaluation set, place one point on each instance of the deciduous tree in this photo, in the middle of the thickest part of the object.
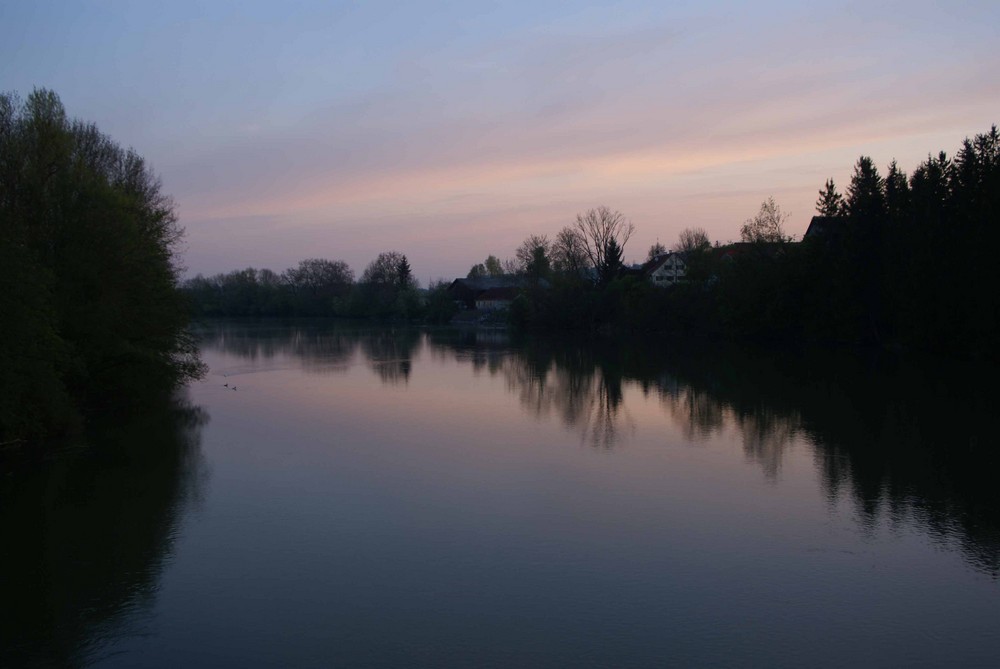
(569, 256)
(692, 240)
(766, 226)
(597, 228)
(655, 250)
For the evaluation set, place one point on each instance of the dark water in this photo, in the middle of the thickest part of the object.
(369, 498)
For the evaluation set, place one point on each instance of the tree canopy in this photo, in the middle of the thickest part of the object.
(692, 240)
(603, 234)
(88, 271)
(767, 225)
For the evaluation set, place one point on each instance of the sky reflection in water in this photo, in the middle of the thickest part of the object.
(394, 497)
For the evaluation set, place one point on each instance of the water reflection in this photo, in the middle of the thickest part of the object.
(896, 440)
(87, 535)
(389, 353)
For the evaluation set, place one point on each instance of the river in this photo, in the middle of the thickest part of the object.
(336, 495)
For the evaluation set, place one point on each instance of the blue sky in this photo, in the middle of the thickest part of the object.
(450, 131)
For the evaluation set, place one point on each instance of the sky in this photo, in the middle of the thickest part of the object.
(453, 130)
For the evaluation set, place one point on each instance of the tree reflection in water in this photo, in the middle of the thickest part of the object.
(389, 353)
(897, 438)
(86, 536)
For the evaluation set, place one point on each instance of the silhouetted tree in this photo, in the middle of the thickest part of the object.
(612, 263)
(897, 193)
(692, 240)
(597, 228)
(569, 254)
(90, 305)
(655, 250)
(404, 277)
(533, 257)
(830, 202)
(767, 225)
(384, 270)
(317, 285)
(493, 266)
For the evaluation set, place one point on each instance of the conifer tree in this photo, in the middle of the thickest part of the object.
(403, 274)
(830, 202)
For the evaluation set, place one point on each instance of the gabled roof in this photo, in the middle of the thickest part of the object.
(824, 226)
(504, 293)
(737, 249)
(486, 282)
(659, 261)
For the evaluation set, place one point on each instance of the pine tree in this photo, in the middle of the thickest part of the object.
(866, 194)
(897, 193)
(612, 261)
(830, 202)
(404, 276)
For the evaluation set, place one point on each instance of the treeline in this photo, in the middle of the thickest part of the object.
(90, 314)
(899, 261)
(896, 261)
(318, 287)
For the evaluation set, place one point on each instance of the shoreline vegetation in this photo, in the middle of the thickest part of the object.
(92, 316)
(897, 262)
(95, 316)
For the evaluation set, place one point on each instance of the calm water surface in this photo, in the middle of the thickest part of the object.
(331, 496)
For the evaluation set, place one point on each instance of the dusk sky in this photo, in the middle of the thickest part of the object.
(452, 130)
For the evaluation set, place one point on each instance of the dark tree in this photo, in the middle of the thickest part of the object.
(655, 250)
(830, 202)
(90, 303)
(612, 264)
(404, 277)
(569, 255)
(767, 226)
(384, 270)
(692, 240)
(599, 227)
(897, 193)
(866, 194)
(493, 266)
(532, 257)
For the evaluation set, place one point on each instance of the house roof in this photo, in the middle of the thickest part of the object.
(659, 261)
(482, 283)
(822, 226)
(505, 293)
(737, 249)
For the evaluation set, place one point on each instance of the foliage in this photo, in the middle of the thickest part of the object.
(906, 264)
(440, 306)
(532, 257)
(655, 250)
(569, 255)
(493, 266)
(830, 202)
(90, 303)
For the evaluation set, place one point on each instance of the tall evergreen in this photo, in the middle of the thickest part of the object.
(404, 277)
(612, 261)
(830, 202)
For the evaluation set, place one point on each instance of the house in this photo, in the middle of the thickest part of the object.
(494, 299)
(466, 291)
(824, 227)
(666, 269)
